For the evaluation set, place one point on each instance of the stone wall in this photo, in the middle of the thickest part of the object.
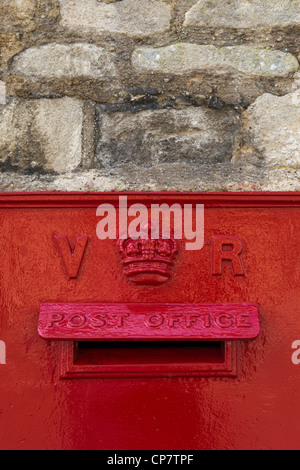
(149, 95)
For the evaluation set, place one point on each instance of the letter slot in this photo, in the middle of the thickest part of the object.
(148, 339)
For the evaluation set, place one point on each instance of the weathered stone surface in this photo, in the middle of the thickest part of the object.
(130, 17)
(191, 135)
(22, 23)
(176, 120)
(184, 58)
(271, 132)
(168, 176)
(16, 13)
(41, 135)
(244, 13)
(64, 61)
(25, 15)
(2, 93)
(296, 82)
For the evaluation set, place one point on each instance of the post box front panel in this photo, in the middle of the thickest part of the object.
(229, 393)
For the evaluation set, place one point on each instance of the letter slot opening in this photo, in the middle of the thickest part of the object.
(148, 352)
(92, 359)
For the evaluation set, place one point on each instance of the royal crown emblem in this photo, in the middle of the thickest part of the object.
(148, 260)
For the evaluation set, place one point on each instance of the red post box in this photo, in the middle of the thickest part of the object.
(141, 343)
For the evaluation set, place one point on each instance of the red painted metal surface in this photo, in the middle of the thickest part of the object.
(148, 321)
(247, 393)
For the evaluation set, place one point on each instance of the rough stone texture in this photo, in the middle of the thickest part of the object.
(149, 138)
(244, 13)
(296, 83)
(182, 59)
(268, 22)
(20, 11)
(64, 61)
(2, 93)
(22, 24)
(131, 17)
(81, 110)
(271, 132)
(179, 177)
(41, 135)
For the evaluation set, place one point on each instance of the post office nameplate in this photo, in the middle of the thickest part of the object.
(148, 321)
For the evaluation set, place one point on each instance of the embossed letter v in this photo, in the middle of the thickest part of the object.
(72, 258)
